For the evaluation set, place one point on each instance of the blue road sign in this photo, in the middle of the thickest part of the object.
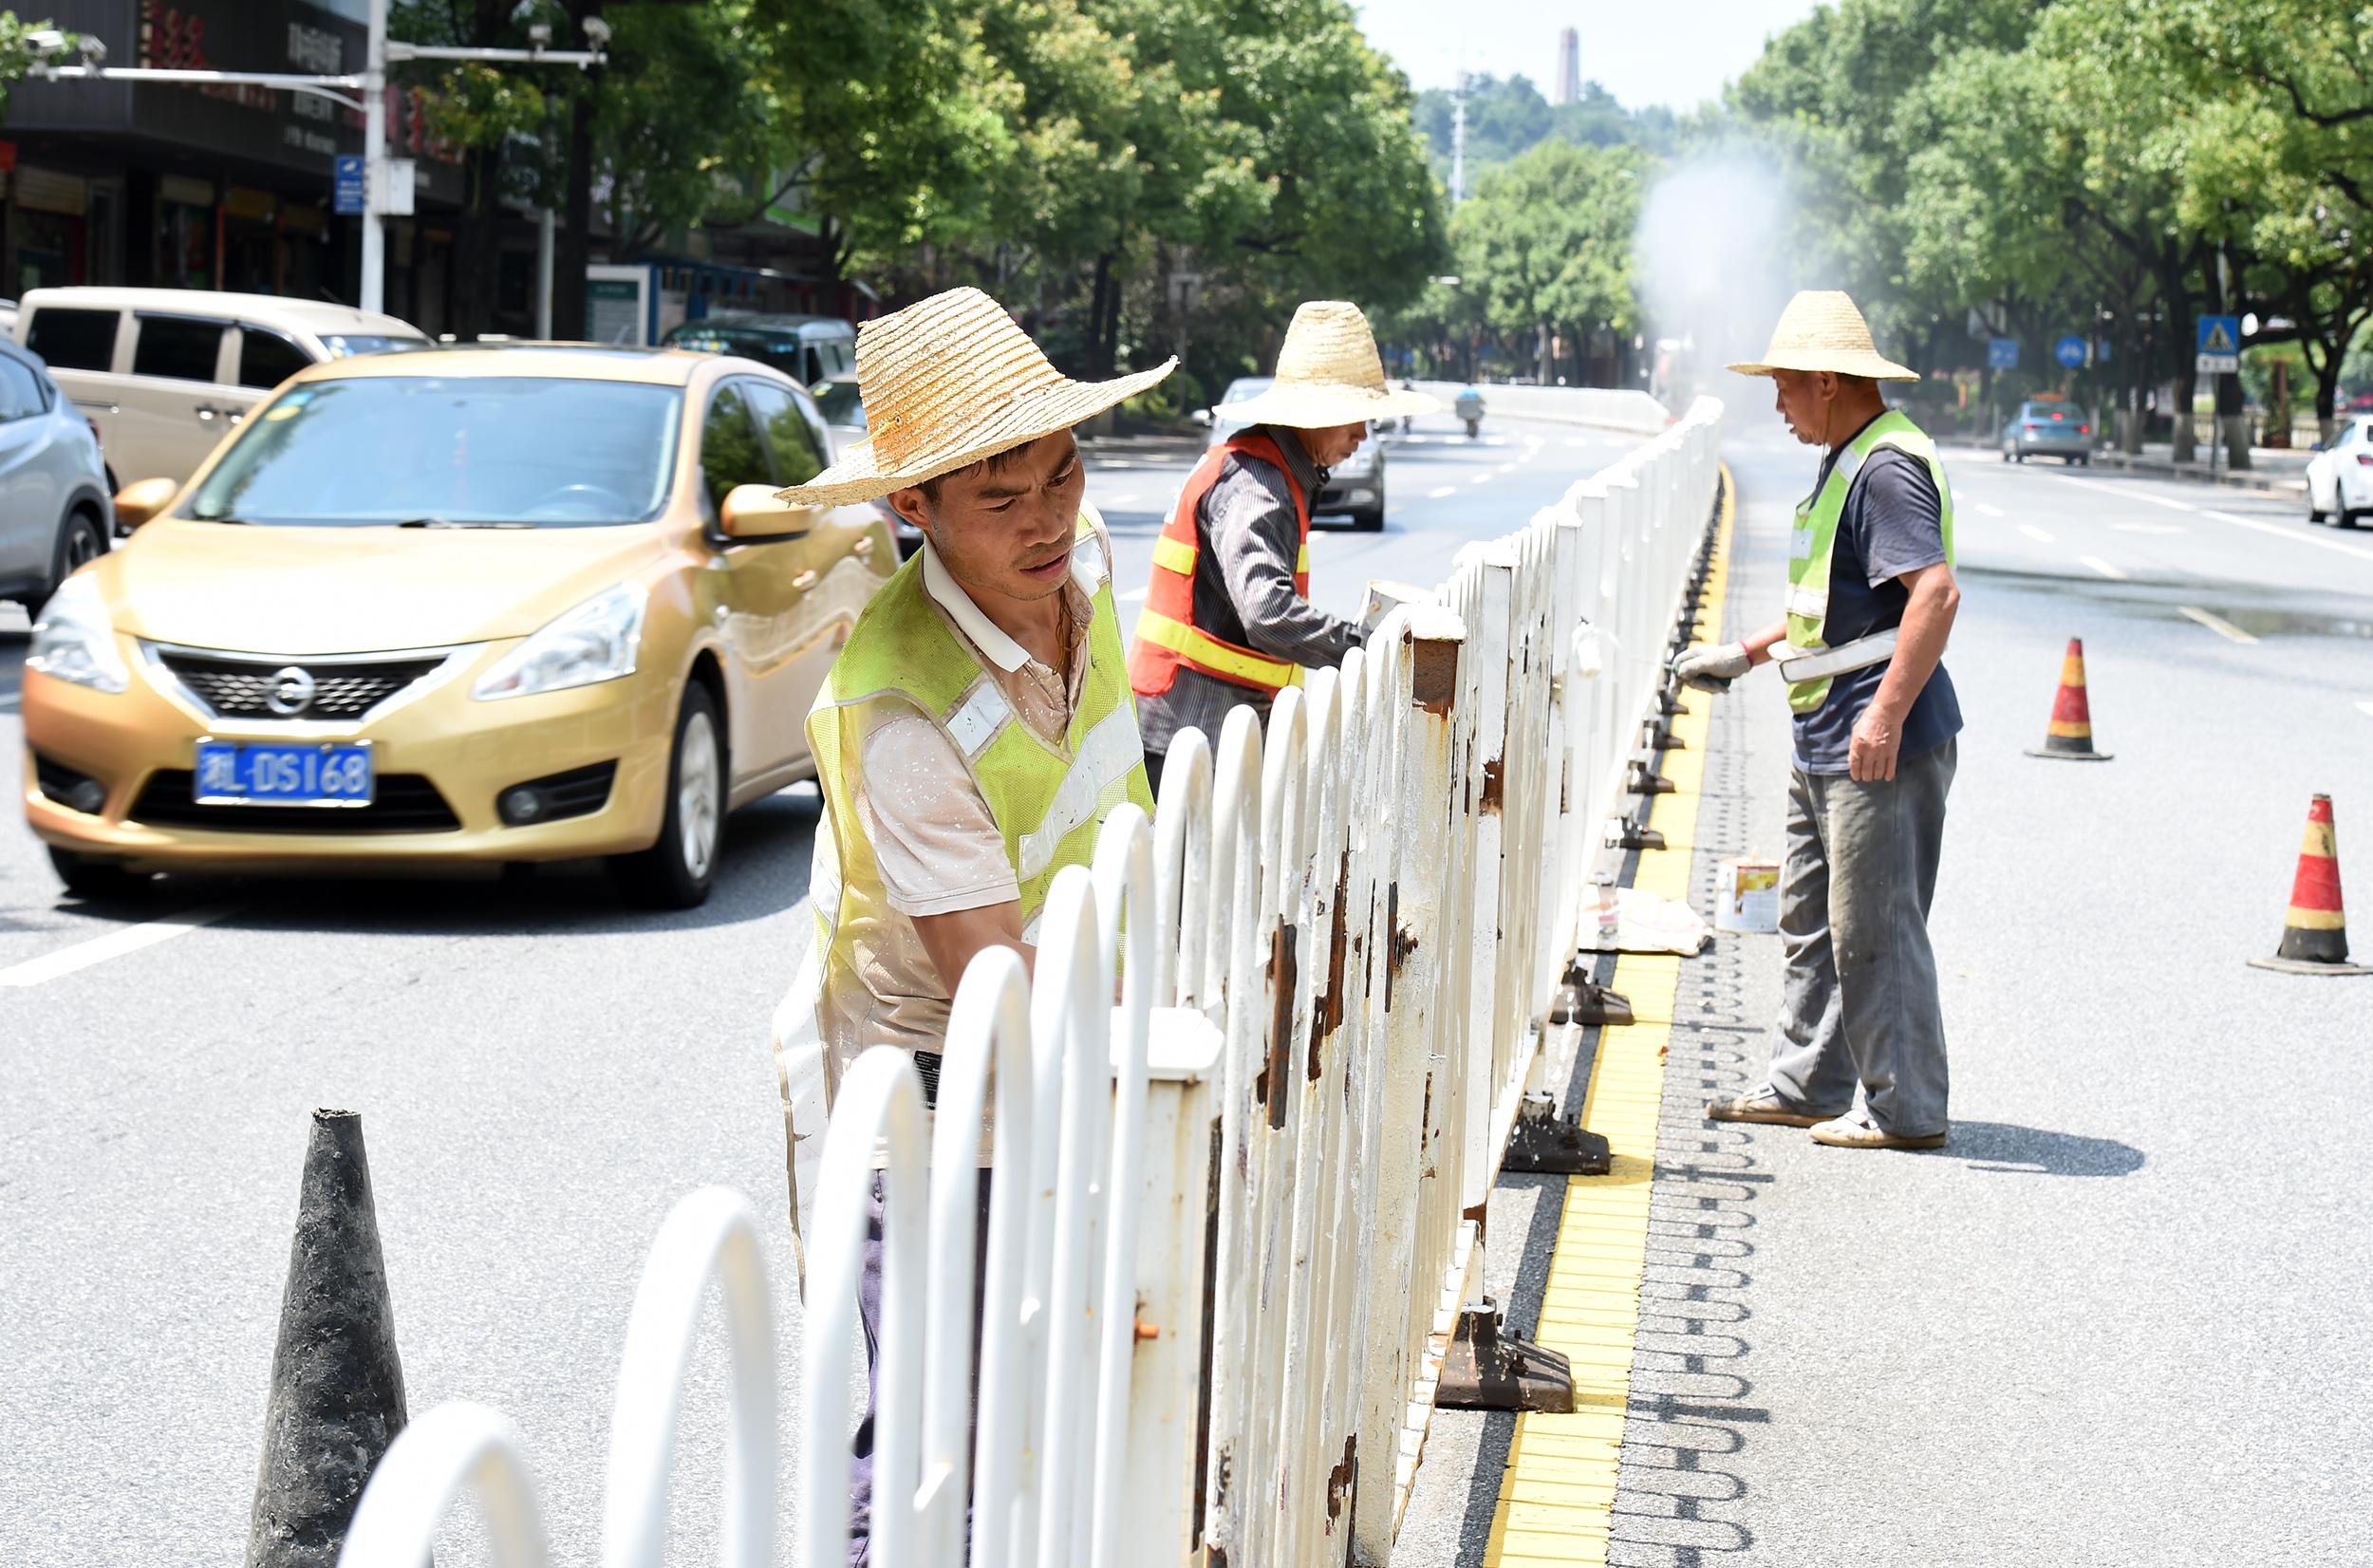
(346, 185)
(2069, 351)
(2219, 346)
(2002, 353)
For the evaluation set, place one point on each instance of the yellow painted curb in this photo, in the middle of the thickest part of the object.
(1556, 1501)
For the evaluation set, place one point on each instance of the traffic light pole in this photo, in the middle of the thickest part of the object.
(374, 291)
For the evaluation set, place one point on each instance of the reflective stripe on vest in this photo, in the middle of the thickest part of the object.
(1046, 804)
(1168, 638)
(1814, 538)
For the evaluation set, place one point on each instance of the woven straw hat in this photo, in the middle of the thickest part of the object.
(1328, 374)
(946, 382)
(1821, 330)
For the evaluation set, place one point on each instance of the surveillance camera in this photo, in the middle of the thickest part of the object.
(46, 41)
(597, 32)
(540, 33)
(93, 51)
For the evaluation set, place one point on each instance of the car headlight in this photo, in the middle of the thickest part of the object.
(596, 642)
(73, 641)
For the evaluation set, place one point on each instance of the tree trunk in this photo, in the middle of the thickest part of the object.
(573, 246)
(1103, 304)
(477, 244)
(2179, 338)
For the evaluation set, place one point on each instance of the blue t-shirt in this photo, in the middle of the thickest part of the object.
(1891, 524)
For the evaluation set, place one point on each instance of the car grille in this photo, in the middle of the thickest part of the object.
(242, 688)
(404, 803)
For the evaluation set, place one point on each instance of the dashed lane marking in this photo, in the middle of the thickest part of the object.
(2103, 567)
(2259, 523)
(1988, 511)
(2218, 625)
(2038, 534)
(2365, 708)
(1508, 468)
(1480, 478)
(1440, 492)
(2146, 527)
(1131, 595)
(1119, 501)
(131, 939)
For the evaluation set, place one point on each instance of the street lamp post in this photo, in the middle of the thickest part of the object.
(380, 198)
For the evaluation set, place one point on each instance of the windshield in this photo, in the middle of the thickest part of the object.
(2066, 412)
(344, 345)
(1243, 387)
(526, 451)
(840, 404)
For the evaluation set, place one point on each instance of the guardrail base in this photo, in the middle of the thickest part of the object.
(1582, 1001)
(1645, 781)
(1493, 1367)
(1630, 833)
(1545, 1144)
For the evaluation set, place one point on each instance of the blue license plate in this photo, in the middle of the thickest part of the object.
(245, 772)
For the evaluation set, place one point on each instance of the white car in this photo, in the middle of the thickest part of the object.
(164, 374)
(1355, 485)
(2340, 477)
(55, 510)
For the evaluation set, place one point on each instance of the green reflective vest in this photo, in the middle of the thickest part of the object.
(1048, 806)
(1815, 537)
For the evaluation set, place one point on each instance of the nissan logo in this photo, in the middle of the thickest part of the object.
(292, 692)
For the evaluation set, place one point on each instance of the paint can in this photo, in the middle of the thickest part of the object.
(1747, 894)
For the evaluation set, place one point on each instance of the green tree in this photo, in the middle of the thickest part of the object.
(17, 55)
(1546, 243)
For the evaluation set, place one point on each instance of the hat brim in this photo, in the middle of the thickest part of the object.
(1026, 418)
(1321, 406)
(1837, 363)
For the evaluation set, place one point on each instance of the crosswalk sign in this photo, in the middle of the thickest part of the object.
(2218, 351)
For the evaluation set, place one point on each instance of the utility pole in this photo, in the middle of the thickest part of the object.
(375, 170)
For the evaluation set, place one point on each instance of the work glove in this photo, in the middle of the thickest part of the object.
(1711, 668)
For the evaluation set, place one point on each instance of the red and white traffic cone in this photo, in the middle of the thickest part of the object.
(2315, 933)
(2070, 736)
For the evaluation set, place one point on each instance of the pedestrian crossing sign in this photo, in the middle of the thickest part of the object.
(2219, 346)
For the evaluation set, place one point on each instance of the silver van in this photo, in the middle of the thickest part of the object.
(163, 374)
(806, 349)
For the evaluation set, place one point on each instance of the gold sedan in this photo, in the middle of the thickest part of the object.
(480, 605)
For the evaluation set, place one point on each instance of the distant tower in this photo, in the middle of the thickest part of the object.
(1569, 66)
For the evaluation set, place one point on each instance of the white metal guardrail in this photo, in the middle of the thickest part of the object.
(1231, 1218)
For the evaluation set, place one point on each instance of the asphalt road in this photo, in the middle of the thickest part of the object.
(2121, 1319)
(541, 1074)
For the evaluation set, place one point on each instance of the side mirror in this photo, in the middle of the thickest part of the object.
(136, 502)
(751, 511)
(1202, 417)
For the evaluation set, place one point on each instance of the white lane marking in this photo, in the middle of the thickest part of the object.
(2038, 534)
(1130, 499)
(1576, 440)
(1440, 491)
(131, 939)
(2218, 625)
(2103, 567)
(2278, 531)
(1508, 468)
(1480, 478)
(1988, 510)
(2146, 527)
(2169, 502)
(2365, 708)
(1131, 595)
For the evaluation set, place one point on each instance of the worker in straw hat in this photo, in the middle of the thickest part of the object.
(1859, 1053)
(1228, 617)
(976, 729)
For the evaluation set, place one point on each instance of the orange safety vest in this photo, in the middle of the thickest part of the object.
(1168, 637)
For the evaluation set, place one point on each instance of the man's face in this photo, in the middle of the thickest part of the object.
(1006, 529)
(1332, 443)
(1804, 398)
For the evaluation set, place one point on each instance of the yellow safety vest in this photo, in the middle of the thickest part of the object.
(1815, 537)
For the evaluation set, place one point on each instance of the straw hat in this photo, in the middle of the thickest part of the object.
(1821, 330)
(1328, 374)
(946, 382)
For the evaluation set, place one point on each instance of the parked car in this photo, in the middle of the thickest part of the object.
(2340, 475)
(55, 512)
(1355, 485)
(474, 605)
(165, 373)
(2048, 427)
(806, 349)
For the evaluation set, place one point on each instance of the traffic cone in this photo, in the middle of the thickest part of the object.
(2315, 933)
(2070, 736)
(337, 1389)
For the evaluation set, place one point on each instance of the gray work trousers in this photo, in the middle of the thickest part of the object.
(1858, 1004)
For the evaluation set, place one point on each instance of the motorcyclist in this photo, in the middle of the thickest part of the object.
(1469, 406)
